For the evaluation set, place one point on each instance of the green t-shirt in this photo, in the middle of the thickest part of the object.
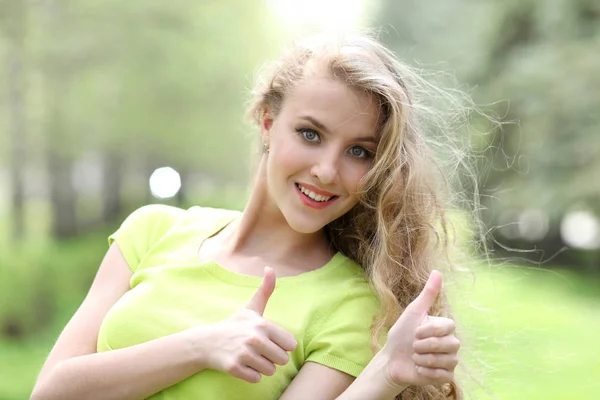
(329, 310)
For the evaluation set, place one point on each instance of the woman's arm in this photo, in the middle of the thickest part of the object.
(135, 372)
(420, 350)
(74, 370)
(318, 382)
(244, 345)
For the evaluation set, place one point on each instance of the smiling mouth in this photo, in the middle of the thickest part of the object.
(317, 198)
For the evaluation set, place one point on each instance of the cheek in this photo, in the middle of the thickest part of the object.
(288, 155)
(353, 174)
(283, 159)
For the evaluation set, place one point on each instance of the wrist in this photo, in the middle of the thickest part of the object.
(382, 363)
(374, 382)
(196, 340)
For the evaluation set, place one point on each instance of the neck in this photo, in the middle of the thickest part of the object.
(263, 232)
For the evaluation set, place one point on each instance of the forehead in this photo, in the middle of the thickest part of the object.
(334, 104)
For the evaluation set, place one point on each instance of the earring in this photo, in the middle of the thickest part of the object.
(265, 148)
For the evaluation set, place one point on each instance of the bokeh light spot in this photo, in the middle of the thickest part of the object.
(165, 182)
(581, 229)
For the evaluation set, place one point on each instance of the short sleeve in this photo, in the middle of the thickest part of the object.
(343, 338)
(142, 229)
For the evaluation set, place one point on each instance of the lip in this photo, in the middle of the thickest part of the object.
(319, 205)
(316, 189)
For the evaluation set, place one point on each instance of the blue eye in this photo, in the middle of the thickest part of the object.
(359, 152)
(309, 135)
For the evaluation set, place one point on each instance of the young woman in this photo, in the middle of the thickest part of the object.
(345, 209)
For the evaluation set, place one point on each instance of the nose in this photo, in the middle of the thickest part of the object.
(326, 169)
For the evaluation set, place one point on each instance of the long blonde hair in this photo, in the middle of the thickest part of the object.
(399, 230)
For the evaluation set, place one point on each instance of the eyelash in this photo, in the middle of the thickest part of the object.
(302, 132)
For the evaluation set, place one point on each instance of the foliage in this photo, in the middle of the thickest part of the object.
(534, 63)
(145, 78)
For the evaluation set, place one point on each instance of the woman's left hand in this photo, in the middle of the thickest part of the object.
(421, 350)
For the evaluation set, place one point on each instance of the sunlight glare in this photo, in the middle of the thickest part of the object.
(324, 15)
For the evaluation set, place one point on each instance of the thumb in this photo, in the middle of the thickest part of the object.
(258, 302)
(428, 295)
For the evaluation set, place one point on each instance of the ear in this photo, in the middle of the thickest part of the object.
(265, 125)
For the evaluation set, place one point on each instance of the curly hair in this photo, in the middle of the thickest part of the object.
(400, 229)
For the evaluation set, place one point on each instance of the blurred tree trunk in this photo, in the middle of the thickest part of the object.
(60, 165)
(15, 29)
(62, 195)
(57, 75)
(113, 179)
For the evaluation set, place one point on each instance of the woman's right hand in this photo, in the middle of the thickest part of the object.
(246, 345)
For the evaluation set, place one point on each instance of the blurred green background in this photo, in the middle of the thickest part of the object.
(98, 98)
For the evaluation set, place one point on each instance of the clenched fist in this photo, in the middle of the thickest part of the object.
(246, 345)
(422, 350)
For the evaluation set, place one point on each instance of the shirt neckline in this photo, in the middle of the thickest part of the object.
(239, 279)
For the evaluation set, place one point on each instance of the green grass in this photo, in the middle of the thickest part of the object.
(20, 364)
(532, 334)
(528, 334)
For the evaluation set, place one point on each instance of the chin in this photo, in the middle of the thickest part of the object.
(306, 227)
(303, 223)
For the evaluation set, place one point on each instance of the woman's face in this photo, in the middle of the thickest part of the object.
(321, 144)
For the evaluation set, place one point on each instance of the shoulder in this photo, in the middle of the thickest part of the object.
(352, 282)
(148, 221)
(343, 288)
(158, 218)
(198, 214)
(346, 297)
(149, 225)
(156, 213)
(341, 338)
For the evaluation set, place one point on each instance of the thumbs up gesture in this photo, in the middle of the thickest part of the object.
(258, 302)
(422, 350)
(246, 345)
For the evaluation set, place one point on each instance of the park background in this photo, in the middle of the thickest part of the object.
(98, 98)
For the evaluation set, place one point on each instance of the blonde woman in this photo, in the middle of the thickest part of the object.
(345, 209)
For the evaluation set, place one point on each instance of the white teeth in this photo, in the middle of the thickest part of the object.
(313, 195)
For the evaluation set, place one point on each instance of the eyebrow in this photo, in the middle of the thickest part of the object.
(322, 127)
